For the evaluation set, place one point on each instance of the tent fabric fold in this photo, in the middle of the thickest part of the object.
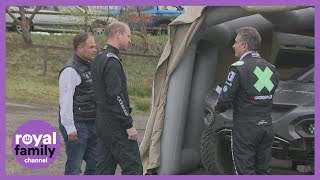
(182, 31)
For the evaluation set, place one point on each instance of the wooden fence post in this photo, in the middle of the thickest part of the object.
(45, 60)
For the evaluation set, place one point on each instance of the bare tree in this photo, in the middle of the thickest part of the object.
(143, 30)
(24, 22)
(86, 27)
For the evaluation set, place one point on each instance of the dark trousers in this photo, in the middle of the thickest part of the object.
(252, 148)
(114, 148)
(85, 148)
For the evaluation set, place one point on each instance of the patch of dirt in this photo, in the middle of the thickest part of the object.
(17, 114)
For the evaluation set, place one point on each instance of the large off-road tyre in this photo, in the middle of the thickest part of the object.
(215, 153)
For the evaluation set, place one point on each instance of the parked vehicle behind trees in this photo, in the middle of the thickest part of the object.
(60, 19)
(155, 18)
(95, 18)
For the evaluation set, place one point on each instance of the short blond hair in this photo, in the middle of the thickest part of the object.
(115, 27)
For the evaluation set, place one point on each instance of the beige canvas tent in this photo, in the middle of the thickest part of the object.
(196, 58)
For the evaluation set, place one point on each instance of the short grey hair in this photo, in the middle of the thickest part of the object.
(250, 36)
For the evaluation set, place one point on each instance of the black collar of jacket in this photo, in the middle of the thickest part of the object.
(79, 59)
(253, 54)
(112, 49)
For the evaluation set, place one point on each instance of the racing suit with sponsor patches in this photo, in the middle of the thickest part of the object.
(113, 116)
(249, 91)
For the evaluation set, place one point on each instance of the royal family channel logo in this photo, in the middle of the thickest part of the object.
(35, 144)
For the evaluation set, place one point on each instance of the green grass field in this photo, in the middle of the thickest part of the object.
(26, 83)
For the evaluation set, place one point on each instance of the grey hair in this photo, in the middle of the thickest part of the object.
(250, 36)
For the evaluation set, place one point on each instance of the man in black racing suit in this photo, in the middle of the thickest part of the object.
(249, 90)
(117, 138)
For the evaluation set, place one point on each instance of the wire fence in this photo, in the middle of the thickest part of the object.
(46, 48)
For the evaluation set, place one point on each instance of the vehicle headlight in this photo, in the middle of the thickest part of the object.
(305, 127)
(311, 128)
(208, 117)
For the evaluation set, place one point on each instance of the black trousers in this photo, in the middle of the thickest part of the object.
(114, 148)
(252, 148)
